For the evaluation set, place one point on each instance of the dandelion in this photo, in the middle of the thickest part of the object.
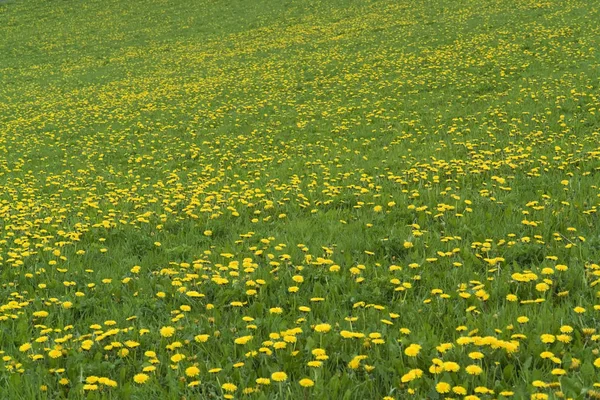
(451, 366)
(322, 328)
(25, 347)
(412, 350)
(459, 390)
(473, 369)
(443, 387)
(140, 378)
(201, 338)
(411, 375)
(279, 376)
(167, 331)
(242, 340)
(229, 387)
(54, 353)
(306, 382)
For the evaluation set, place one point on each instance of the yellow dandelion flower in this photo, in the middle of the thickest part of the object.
(322, 328)
(279, 376)
(140, 378)
(229, 387)
(306, 382)
(443, 387)
(167, 331)
(412, 350)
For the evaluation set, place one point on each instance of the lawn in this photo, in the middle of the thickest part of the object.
(281, 199)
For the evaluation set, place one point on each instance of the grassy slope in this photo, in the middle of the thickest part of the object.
(123, 124)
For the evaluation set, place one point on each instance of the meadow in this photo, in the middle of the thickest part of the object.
(281, 199)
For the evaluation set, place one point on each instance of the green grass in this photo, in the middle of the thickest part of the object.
(415, 163)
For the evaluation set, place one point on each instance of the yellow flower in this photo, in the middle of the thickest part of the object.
(475, 355)
(279, 376)
(547, 338)
(539, 396)
(54, 353)
(192, 371)
(140, 378)
(40, 314)
(412, 350)
(459, 390)
(443, 387)
(201, 338)
(354, 363)
(444, 347)
(306, 382)
(167, 331)
(451, 366)
(25, 347)
(87, 344)
(243, 339)
(229, 387)
(411, 375)
(322, 328)
(473, 369)
(318, 352)
(566, 329)
(542, 287)
(107, 382)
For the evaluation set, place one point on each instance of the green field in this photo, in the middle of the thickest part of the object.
(329, 199)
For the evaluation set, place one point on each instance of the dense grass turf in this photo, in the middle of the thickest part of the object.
(376, 198)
